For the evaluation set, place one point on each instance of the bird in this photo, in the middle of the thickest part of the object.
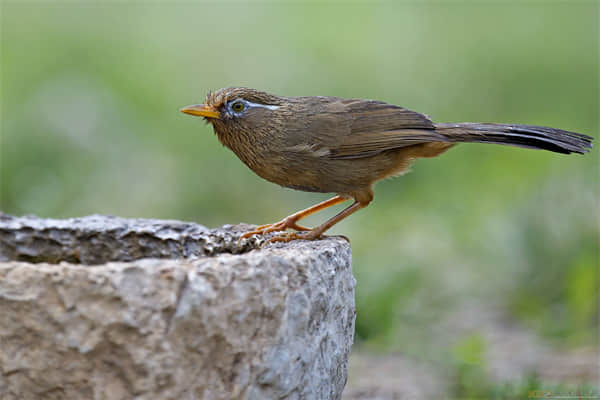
(343, 146)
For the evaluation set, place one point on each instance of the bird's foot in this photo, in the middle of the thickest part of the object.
(289, 236)
(276, 227)
(310, 235)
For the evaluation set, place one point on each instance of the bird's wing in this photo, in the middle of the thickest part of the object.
(364, 128)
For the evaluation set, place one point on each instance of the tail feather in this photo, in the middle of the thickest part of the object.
(527, 136)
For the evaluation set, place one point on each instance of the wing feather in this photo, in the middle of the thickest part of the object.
(371, 127)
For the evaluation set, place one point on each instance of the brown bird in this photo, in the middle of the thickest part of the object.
(344, 146)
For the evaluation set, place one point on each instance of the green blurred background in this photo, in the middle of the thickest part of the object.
(90, 124)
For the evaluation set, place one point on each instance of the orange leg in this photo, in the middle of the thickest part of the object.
(319, 230)
(290, 221)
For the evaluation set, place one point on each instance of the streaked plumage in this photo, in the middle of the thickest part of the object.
(343, 146)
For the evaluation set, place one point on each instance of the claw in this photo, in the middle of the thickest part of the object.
(276, 227)
(289, 236)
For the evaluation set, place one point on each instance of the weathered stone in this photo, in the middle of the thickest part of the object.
(97, 239)
(196, 323)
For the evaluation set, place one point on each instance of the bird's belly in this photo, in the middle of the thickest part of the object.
(324, 175)
(343, 176)
(299, 178)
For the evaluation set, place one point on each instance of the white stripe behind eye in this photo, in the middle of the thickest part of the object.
(269, 107)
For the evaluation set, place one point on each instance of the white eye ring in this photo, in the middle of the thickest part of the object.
(238, 106)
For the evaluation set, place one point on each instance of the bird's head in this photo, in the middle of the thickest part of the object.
(235, 111)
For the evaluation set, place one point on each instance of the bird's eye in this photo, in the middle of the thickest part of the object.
(238, 106)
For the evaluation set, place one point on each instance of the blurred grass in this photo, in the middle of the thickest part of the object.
(90, 124)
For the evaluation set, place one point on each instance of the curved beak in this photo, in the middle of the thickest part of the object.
(201, 110)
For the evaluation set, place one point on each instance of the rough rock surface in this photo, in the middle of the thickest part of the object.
(97, 239)
(164, 310)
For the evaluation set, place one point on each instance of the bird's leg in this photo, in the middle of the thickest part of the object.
(290, 221)
(319, 230)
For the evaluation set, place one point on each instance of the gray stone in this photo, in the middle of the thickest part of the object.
(97, 239)
(110, 308)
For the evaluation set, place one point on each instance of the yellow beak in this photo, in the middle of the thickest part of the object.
(201, 110)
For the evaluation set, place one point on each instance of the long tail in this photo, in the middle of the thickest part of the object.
(528, 136)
